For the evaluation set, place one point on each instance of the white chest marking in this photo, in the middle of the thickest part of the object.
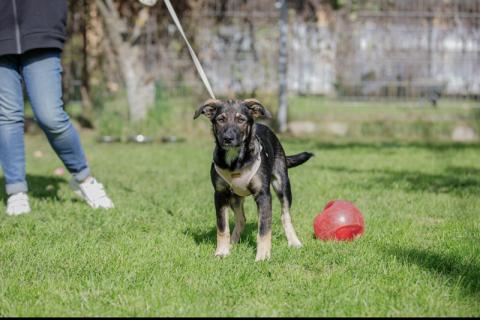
(239, 181)
(231, 155)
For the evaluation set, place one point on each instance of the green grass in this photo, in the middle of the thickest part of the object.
(153, 254)
(399, 120)
(365, 120)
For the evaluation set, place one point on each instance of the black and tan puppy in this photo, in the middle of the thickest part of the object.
(248, 158)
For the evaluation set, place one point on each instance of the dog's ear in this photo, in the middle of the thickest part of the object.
(208, 108)
(257, 109)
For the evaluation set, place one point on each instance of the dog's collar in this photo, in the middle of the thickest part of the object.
(239, 181)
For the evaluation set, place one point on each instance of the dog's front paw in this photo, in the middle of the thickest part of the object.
(264, 247)
(262, 255)
(295, 244)
(222, 251)
(223, 244)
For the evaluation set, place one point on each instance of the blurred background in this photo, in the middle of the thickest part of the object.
(346, 69)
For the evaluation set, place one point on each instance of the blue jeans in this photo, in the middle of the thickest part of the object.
(41, 72)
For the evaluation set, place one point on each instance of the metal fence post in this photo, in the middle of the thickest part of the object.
(282, 68)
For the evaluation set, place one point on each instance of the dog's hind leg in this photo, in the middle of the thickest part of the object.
(236, 203)
(281, 185)
(223, 230)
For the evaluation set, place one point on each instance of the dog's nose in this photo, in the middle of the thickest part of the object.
(227, 140)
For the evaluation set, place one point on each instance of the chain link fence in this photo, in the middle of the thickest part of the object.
(394, 49)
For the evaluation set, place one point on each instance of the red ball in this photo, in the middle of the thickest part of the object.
(339, 220)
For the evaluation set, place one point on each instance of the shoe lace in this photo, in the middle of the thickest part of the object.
(96, 190)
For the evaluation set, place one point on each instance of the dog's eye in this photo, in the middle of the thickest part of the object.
(221, 120)
(241, 120)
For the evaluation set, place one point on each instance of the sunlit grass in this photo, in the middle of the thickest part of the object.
(153, 254)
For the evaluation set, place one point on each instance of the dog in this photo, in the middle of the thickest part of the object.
(247, 159)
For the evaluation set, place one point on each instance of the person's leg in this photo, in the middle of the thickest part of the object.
(41, 70)
(12, 147)
(42, 73)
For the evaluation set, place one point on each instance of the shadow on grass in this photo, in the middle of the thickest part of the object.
(431, 146)
(466, 274)
(201, 236)
(42, 187)
(455, 180)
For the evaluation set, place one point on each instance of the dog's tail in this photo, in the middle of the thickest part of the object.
(298, 159)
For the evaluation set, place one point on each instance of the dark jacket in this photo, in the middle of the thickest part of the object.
(32, 24)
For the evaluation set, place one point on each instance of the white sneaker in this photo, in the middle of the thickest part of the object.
(17, 204)
(92, 192)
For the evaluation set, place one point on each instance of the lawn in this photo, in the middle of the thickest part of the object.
(153, 254)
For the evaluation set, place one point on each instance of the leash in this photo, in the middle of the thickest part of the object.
(196, 62)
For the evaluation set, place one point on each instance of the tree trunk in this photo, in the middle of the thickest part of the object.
(140, 91)
(139, 83)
